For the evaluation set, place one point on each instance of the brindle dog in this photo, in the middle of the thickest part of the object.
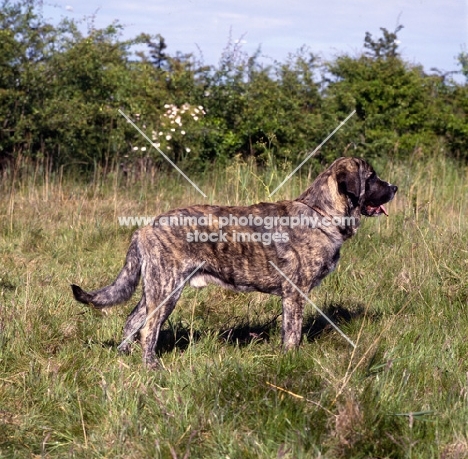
(244, 249)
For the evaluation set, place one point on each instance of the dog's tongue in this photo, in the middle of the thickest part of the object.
(377, 210)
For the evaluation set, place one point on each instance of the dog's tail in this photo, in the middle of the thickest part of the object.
(122, 288)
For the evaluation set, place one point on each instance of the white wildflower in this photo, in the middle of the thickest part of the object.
(168, 137)
(195, 118)
(135, 148)
(182, 132)
(173, 130)
(187, 149)
(143, 148)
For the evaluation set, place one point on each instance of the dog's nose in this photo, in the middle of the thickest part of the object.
(394, 188)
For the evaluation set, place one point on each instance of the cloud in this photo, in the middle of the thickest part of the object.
(434, 30)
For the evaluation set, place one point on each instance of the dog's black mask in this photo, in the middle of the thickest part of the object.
(377, 194)
(359, 182)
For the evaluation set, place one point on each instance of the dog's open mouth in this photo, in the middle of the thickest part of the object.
(372, 211)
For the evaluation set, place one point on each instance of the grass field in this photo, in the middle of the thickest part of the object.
(227, 391)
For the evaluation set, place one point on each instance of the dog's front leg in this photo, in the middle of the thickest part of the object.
(293, 308)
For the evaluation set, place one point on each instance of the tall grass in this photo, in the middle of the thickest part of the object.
(400, 292)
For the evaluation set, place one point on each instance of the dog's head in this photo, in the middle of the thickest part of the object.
(358, 181)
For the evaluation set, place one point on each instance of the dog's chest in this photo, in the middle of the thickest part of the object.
(327, 266)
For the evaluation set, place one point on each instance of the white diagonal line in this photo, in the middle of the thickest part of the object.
(314, 305)
(142, 323)
(313, 153)
(162, 153)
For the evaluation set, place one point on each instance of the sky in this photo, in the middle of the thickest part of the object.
(434, 33)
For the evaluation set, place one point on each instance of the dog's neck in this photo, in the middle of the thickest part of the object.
(317, 209)
(320, 212)
(345, 230)
(324, 198)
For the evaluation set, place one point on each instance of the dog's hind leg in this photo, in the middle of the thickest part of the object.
(159, 305)
(149, 334)
(135, 321)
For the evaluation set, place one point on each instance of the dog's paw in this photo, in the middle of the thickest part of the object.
(125, 348)
(153, 363)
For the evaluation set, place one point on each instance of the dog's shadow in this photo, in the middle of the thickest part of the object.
(315, 325)
(243, 333)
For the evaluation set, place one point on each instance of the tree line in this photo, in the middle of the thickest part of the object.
(64, 93)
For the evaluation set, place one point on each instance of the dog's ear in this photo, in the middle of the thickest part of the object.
(349, 180)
